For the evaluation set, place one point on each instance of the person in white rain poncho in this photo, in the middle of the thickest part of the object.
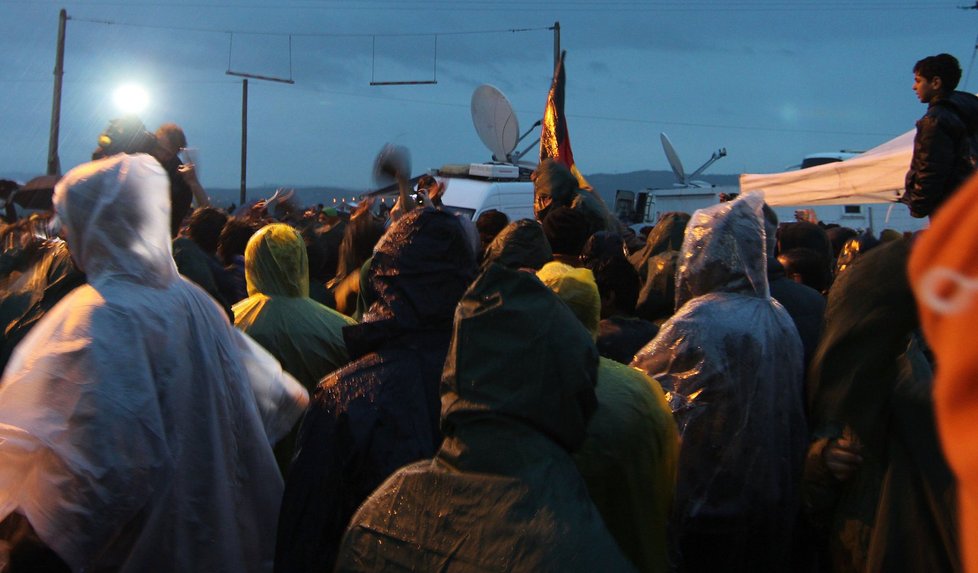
(135, 422)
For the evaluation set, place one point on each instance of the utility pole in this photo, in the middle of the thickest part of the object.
(54, 162)
(244, 110)
(556, 29)
(244, 139)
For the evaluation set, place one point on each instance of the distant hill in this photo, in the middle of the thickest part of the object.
(609, 183)
(606, 183)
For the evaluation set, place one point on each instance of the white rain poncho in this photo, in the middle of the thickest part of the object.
(730, 361)
(135, 422)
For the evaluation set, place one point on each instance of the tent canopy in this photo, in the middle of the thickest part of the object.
(876, 176)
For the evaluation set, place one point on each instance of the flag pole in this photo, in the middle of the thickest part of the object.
(556, 29)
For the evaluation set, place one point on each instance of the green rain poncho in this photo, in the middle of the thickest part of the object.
(305, 336)
(629, 456)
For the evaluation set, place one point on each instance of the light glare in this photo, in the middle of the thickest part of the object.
(131, 99)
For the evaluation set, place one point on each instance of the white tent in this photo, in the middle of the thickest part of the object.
(876, 176)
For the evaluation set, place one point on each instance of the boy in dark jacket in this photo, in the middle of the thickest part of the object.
(942, 152)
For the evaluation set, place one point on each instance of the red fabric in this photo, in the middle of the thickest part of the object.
(944, 274)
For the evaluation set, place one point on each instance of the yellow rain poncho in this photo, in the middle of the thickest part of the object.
(305, 336)
(630, 454)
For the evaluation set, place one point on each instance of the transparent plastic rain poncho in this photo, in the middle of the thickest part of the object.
(502, 493)
(134, 420)
(730, 361)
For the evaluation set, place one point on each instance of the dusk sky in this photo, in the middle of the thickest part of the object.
(769, 80)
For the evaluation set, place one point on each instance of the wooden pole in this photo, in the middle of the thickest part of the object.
(244, 138)
(54, 162)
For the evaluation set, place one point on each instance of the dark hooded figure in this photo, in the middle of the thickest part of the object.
(620, 333)
(805, 304)
(877, 487)
(555, 186)
(656, 266)
(730, 360)
(502, 493)
(380, 412)
(521, 244)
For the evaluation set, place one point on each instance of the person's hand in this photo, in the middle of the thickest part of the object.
(842, 457)
(189, 173)
(806, 216)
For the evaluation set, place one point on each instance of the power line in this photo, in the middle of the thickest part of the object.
(567, 6)
(306, 34)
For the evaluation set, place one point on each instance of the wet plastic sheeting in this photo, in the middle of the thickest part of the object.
(731, 362)
(136, 421)
(502, 494)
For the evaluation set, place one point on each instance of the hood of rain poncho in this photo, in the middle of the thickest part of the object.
(542, 375)
(276, 263)
(576, 287)
(136, 421)
(730, 360)
(553, 179)
(521, 244)
(667, 235)
(656, 265)
(502, 494)
(657, 297)
(112, 219)
(724, 251)
(419, 270)
(305, 336)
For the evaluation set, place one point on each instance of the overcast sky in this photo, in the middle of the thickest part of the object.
(769, 80)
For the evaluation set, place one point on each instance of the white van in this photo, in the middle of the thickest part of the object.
(506, 188)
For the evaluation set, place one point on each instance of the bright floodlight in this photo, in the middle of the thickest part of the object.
(131, 98)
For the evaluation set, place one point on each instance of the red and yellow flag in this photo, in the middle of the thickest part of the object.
(554, 138)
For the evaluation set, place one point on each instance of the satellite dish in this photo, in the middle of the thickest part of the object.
(673, 157)
(495, 121)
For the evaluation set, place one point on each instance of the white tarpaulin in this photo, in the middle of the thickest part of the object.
(876, 176)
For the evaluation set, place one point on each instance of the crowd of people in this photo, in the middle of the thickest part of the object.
(307, 390)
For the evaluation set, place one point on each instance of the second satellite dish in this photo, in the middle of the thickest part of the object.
(495, 121)
(673, 157)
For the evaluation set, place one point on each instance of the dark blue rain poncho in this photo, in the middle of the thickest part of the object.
(521, 244)
(502, 494)
(380, 412)
(730, 361)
